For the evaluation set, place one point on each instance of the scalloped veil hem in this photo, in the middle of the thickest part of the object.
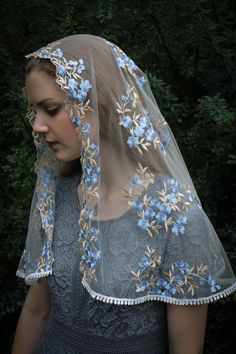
(169, 300)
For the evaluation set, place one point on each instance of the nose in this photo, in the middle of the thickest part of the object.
(40, 125)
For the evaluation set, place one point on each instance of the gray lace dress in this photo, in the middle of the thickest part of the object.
(78, 323)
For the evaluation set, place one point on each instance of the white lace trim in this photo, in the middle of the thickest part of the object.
(33, 277)
(174, 301)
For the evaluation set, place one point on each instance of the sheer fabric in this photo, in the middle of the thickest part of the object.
(130, 164)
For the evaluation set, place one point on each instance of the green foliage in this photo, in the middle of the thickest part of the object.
(187, 50)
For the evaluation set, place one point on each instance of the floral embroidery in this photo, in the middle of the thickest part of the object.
(77, 91)
(123, 61)
(47, 51)
(180, 279)
(165, 209)
(157, 212)
(46, 201)
(69, 78)
(89, 235)
(46, 259)
(141, 130)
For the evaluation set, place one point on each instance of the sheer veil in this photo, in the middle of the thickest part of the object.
(142, 232)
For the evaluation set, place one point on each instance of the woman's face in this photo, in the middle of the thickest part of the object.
(52, 119)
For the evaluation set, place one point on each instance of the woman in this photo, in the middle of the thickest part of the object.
(115, 220)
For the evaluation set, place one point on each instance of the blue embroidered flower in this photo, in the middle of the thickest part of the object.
(141, 80)
(127, 97)
(76, 121)
(83, 234)
(48, 220)
(170, 291)
(47, 176)
(95, 150)
(73, 63)
(182, 220)
(164, 208)
(46, 251)
(85, 129)
(137, 204)
(91, 174)
(94, 146)
(149, 213)
(183, 267)
(61, 70)
(161, 218)
(58, 53)
(150, 135)
(133, 141)
(166, 139)
(155, 204)
(202, 281)
(136, 181)
(81, 66)
(139, 131)
(171, 182)
(42, 196)
(46, 54)
(143, 224)
(144, 284)
(73, 84)
(181, 278)
(85, 85)
(91, 180)
(78, 90)
(165, 288)
(123, 61)
(178, 279)
(90, 258)
(144, 122)
(172, 197)
(89, 212)
(144, 263)
(161, 282)
(214, 287)
(95, 234)
(178, 228)
(87, 169)
(127, 122)
(46, 258)
(162, 148)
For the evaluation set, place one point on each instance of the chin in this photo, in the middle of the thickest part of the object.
(66, 158)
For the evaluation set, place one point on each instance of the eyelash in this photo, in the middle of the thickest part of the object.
(52, 112)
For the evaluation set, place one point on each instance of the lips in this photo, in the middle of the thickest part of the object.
(52, 144)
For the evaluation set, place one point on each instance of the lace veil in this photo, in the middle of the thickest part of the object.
(132, 170)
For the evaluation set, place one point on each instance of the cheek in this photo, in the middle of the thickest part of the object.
(66, 126)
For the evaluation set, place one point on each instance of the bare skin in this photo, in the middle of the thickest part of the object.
(186, 328)
(33, 318)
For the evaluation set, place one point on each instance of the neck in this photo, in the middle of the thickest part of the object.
(116, 171)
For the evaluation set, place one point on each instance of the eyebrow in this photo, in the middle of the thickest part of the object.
(43, 101)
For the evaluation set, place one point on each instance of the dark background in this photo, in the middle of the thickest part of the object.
(187, 49)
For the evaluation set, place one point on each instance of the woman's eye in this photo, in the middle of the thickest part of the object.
(53, 111)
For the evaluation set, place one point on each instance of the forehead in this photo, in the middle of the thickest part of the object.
(41, 86)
